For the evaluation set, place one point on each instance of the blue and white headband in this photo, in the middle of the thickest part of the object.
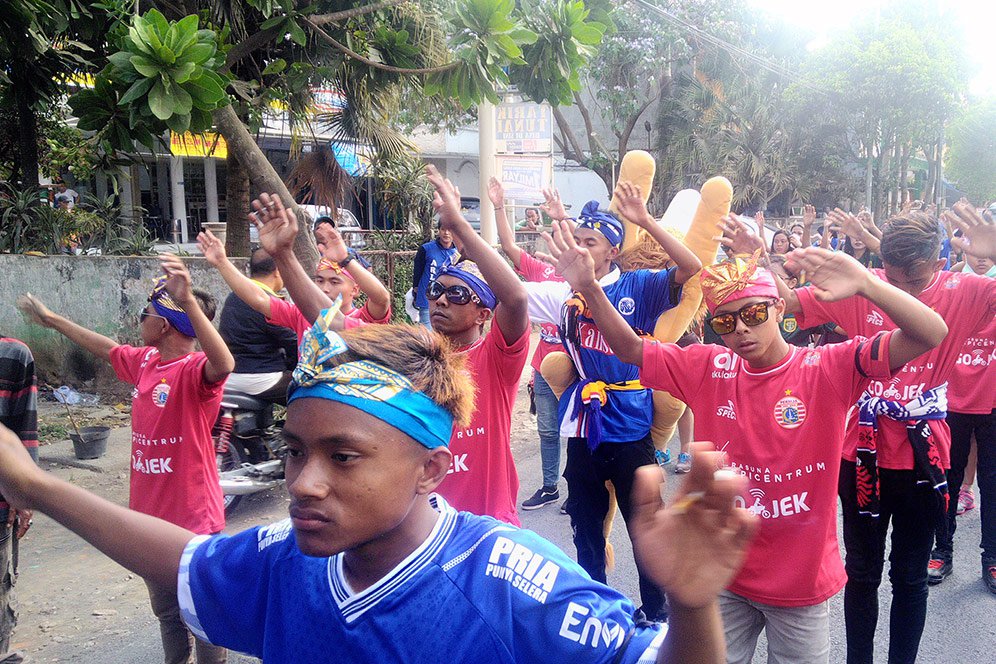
(604, 222)
(470, 275)
(365, 385)
(167, 307)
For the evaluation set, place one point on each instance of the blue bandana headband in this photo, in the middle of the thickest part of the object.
(365, 385)
(472, 277)
(167, 307)
(604, 222)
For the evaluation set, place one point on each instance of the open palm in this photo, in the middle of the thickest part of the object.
(978, 233)
(833, 274)
(276, 224)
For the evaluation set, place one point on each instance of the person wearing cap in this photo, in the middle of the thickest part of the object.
(373, 566)
(177, 396)
(606, 414)
(429, 259)
(462, 299)
(778, 412)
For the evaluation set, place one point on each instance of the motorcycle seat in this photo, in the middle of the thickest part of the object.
(242, 401)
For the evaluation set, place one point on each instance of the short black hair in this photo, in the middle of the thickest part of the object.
(911, 239)
(206, 302)
(261, 264)
(324, 219)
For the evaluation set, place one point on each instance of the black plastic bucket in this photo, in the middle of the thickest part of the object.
(91, 442)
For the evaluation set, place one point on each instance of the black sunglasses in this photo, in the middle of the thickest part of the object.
(455, 294)
(751, 314)
(148, 314)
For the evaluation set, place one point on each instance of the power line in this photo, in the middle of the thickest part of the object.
(732, 49)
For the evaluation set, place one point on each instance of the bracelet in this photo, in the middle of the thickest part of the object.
(346, 261)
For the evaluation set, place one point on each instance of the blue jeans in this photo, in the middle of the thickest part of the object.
(423, 317)
(548, 427)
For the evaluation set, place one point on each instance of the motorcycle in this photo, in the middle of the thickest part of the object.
(249, 449)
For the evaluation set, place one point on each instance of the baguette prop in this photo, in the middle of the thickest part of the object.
(638, 167)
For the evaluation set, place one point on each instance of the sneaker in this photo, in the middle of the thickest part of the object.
(684, 463)
(563, 507)
(662, 458)
(544, 496)
(989, 576)
(966, 501)
(938, 569)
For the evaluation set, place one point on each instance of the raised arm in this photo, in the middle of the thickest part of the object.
(38, 313)
(853, 227)
(978, 232)
(496, 192)
(808, 219)
(277, 230)
(243, 287)
(629, 202)
(835, 275)
(578, 268)
(143, 544)
(220, 362)
(511, 314)
(332, 246)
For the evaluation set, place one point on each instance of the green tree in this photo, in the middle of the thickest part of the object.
(379, 55)
(971, 155)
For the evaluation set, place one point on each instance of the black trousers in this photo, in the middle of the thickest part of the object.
(588, 503)
(912, 510)
(963, 427)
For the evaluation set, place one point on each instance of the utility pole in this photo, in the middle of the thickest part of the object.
(486, 148)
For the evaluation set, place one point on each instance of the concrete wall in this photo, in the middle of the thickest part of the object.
(103, 293)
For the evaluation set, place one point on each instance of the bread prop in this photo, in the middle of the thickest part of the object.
(637, 167)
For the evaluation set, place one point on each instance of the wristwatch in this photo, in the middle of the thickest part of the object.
(346, 261)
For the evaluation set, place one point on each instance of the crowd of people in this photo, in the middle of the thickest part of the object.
(848, 362)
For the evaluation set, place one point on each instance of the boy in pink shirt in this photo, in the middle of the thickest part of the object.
(175, 403)
(898, 444)
(332, 279)
(778, 413)
(482, 477)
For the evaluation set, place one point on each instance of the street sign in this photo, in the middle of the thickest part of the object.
(525, 178)
(523, 127)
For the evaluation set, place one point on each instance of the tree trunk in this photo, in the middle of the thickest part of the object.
(263, 177)
(27, 138)
(904, 167)
(928, 185)
(237, 204)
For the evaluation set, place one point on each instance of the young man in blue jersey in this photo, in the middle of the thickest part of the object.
(371, 566)
(606, 414)
(430, 258)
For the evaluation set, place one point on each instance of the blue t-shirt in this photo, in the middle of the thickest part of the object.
(640, 297)
(436, 258)
(477, 590)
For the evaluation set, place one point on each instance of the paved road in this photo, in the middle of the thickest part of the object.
(961, 621)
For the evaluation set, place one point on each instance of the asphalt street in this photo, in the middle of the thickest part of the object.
(961, 619)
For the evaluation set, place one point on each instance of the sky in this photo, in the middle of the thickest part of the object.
(977, 17)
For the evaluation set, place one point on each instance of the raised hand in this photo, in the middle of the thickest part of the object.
(553, 206)
(833, 274)
(34, 309)
(496, 192)
(212, 248)
(846, 222)
(978, 232)
(693, 548)
(277, 225)
(445, 200)
(177, 279)
(330, 243)
(809, 216)
(739, 237)
(574, 262)
(629, 202)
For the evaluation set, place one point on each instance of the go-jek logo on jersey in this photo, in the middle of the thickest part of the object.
(726, 365)
(273, 533)
(528, 572)
(770, 508)
(578, 625)
(154, 466)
